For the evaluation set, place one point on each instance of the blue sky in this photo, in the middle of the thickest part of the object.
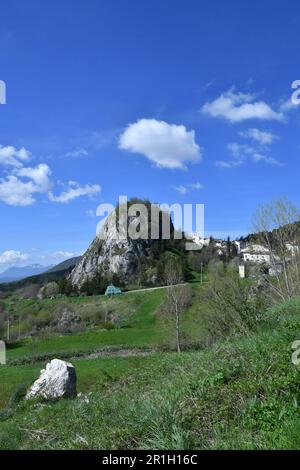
(175, 101)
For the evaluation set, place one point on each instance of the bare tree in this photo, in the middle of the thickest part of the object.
(278, 228)
(177, 299)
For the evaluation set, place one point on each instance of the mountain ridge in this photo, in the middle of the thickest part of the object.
(53, 274)
(17, 273)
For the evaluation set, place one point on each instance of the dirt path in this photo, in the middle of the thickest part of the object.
(122, 352)
(118, 353)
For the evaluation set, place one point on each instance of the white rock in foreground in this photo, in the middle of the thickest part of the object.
(56, 381)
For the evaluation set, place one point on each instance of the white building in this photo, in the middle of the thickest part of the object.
(199, 240)
(238, 246)
(242, 271)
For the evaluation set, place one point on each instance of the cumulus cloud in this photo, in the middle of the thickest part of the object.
(11, 156)
(262, 137)
(75, 191)
(167, 145)
(240, 153)
(11, 257)
(40, 175)
(238, 107)
(19, 188)
(15, 192)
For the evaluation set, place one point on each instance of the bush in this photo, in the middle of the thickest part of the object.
(238, 305)
(50, 290)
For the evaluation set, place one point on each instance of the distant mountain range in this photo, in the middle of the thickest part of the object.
(40, 274)
(16, 273)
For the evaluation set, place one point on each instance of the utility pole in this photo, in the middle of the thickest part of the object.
(8, 328)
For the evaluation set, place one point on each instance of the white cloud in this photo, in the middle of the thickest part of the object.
(74, 191)
(11, 257)
(237, 107)
(18, 189)
(81, 152)
(287, 105)
(196, 185)
(262, 137)
(181, 189)
(15, 192)
(13, 157)
(241, 153)
(227, 164)
(21, 184)
(167, 145)
(40, 175)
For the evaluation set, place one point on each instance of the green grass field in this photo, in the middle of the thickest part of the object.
(140, 330)
(90, 373)
(237, 394)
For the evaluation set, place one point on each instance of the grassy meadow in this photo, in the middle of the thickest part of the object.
(237, 393)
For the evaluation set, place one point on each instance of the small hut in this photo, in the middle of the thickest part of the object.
(112, 290)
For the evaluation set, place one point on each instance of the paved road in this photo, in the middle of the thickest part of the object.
(154, 288)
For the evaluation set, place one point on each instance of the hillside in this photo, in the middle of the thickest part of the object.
(273, 235)
(64, 265)
(241, 394)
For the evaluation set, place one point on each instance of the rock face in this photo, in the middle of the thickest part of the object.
(110, 254)
(56, 381)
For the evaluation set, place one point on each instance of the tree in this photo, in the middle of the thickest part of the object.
(177, 298)
(278, 228)
(66, 287)
(195, 261)
(50, 290)
(238, 305)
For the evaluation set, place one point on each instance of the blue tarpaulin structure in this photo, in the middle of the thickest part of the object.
(112, 290)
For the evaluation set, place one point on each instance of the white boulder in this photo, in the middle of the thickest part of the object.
(56, 381)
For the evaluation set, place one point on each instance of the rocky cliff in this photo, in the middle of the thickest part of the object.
(110, 254)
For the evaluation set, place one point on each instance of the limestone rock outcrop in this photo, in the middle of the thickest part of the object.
(56, 381)
(111, 254)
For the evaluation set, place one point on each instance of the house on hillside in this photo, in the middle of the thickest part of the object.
(240, 245)
(112, 290)
(198, 240)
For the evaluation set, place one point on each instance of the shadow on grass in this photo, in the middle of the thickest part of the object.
(15, 345)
